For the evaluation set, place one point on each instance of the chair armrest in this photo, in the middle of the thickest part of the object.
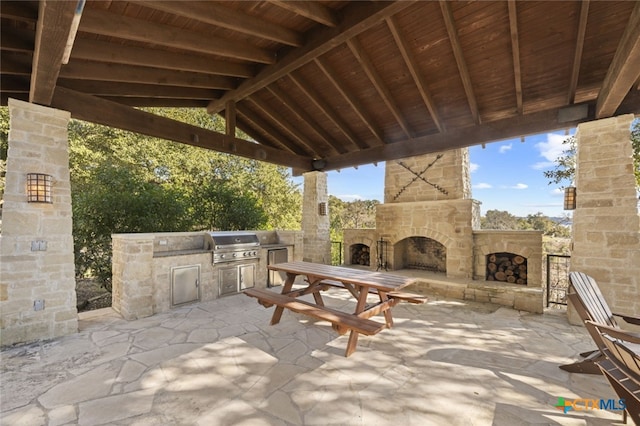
(616, 333)
(628, 319)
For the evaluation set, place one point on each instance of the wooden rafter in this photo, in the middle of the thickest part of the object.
(230, 119)
(134, 74)
(286, 125)
(367, 65)
(117, 88)
(324, 106)
(515, 52)
(624, 69)
(259, 123)
(314, 11)
(17, 39)
(458, 138)
(110, 24)
(253, 134)
(52, 32)
(351, 99)
(577, 58)
(221, 16)
(449, 23)
(101, 111)
(357, 18)
(156, 102)
(418, 78)
(329, 145)
(101, 51)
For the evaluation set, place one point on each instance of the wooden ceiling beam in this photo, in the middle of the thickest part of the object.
(367, 65)
(577, 57)
(110, 24)
(112, 88)
(515, 52)
(331, 114)
(310, 10)
(156, 102)
(52, 32)
(357, 18)
(87, 70)
(351, 99)
(264, 126)
(104, 51)
(459, 138)
(268, 110)
(15, 63)
(624, 69)
(418, 78)
(253, 134)
(449, 23)
(108, 113)
(214, 14)
(330, 147)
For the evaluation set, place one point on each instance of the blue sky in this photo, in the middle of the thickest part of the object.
(505, 175)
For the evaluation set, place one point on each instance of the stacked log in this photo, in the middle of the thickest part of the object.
(360, 255)
(507, 267)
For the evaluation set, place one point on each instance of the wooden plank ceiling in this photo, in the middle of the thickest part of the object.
(327, 84)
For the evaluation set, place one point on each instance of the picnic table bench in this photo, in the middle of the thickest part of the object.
(359, 283)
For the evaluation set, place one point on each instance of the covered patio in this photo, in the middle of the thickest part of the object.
(220, 363)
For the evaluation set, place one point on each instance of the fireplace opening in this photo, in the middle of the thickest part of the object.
(421, 253)
(507, 267)
(360, 255)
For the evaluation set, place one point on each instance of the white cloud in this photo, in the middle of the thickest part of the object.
(553, 147)
(473, 167)
(543, 165)
(482, 186)
(505, 148)
(557, 192)
(520, 186)
(350, 197)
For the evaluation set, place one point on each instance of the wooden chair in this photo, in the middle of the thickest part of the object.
(620, 364)
(591, 305)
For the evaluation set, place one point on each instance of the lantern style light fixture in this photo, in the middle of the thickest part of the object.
(570, 198)
(322, 209)
(39, 188)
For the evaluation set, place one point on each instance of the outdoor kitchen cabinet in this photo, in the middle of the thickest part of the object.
(235, 278)
(185, 284)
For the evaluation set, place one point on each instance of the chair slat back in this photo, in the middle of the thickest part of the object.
(595, 305)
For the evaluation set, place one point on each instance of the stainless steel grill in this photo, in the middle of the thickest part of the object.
(233, 246)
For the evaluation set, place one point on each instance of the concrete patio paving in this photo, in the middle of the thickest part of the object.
(220, 363)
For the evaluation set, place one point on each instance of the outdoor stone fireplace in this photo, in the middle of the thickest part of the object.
(429, 227)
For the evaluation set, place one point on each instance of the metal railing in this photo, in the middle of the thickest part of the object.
(557, 279)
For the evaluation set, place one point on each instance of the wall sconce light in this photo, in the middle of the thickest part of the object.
(570, 198)
(322, 209)
(39, 188)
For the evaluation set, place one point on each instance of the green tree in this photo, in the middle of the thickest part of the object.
(565, 167)
(499, 219)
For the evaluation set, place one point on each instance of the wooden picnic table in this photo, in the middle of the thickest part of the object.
(359, 283)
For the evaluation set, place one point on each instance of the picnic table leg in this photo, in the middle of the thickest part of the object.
(353, 336)
(387, 313)
(288, 285)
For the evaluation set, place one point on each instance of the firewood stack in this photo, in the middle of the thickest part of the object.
(507, 267)
(360, 255)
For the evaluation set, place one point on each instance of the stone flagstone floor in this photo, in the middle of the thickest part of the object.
(220, 363)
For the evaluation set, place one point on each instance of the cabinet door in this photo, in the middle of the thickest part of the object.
(185, 284)
(247, 276)
(228, 278)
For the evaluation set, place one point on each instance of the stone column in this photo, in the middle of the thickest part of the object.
(37, 272)
(606, 227)
(315, 224)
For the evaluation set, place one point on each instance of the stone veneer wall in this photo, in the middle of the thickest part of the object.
(606, 226)
(37, 144)
(450, 223)
(317, 241)
(450, 172)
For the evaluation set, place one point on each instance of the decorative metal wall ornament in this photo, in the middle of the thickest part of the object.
(419, 176)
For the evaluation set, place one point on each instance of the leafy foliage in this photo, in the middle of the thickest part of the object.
(503, 220)
(565, 167)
